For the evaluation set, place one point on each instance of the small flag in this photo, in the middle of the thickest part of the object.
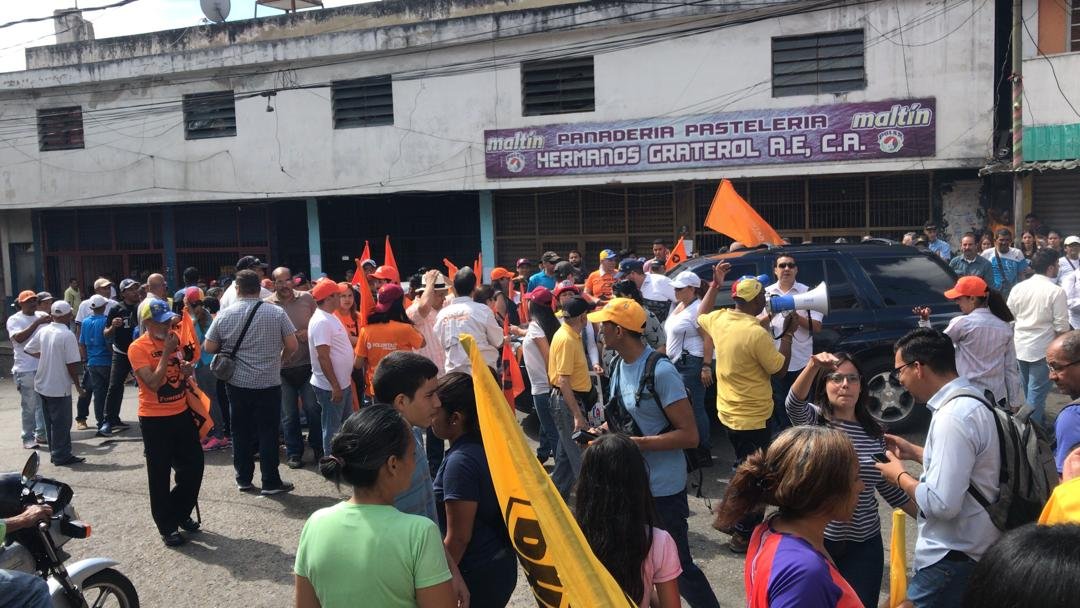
(366, 255)
(367, 301)
(898, 560)
(731, 215)
(478, 267)
(199, 406)
(451, 269)
(388, 254)
(187, 334)
(677, 255)
(512, 382)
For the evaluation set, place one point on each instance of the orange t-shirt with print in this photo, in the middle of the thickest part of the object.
(599, 284)
(171, 397)
(380, 339)
(351, 324)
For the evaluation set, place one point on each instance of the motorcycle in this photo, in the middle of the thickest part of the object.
(38, 550)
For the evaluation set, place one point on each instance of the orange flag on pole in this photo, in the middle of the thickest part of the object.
(451, 269)
(512, 382)
(358, 274)
(366, 255)
(478, 267)
(731, 215)
(367, 301)
(187, 334)
(677, 255)
(389, 255)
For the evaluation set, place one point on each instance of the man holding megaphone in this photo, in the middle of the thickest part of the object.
(773, 317)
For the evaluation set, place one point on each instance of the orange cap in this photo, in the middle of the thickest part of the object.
(968, 286)
(324, 288)
(26, 295)
(501, 273)
(386, 273)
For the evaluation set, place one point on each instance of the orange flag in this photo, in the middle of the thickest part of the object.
(478, 267)
(731, 215)
(389, 255)
(187, 333)
(199, 406)
(512, 382)
(451, 269)
(367, 301)
(677, 255)
(366, 255)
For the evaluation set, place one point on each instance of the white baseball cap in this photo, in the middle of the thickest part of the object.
(61, 308)
(1072, 240)
(97, 301)
(686, 279)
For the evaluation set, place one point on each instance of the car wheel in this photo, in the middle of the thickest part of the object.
(889, 402)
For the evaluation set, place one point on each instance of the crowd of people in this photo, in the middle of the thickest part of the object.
(618, 362)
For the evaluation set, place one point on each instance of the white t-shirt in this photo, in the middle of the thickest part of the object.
(84, 309)
(325, 329)
(682, 333)
(16, 323)
(535, 363)
(57, 346)
(802, 346)
(657, 287)
(463, 316)
(228, 298)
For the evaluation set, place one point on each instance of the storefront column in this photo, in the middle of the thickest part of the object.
(314, 238)
(487, 232)
(39, 258)
(168, 237)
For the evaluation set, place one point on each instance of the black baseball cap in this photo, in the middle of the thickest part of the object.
(575, 307)
(550, 256)
(630, 265)
(248, 262)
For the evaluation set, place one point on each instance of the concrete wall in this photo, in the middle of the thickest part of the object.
(138, 156)
(1044, 104)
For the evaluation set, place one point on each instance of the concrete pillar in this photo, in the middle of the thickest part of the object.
(168, 235)
(314, 238)
(39, 257)
(487, 231)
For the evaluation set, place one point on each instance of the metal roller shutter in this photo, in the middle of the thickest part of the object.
(1055, 198)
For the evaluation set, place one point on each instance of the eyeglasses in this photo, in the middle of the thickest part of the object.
(786, 265)
(838, 378)
(894, 375)
(1057, 369)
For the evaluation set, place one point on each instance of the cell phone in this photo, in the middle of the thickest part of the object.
(583, 437)
(880, 457)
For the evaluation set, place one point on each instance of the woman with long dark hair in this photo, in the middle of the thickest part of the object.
(534, 349)
(470, 517)
(615, 511)
(983, 339)
(812, 474)
(840, 402)
(363, 550)
(388, 330)
(1028, 244)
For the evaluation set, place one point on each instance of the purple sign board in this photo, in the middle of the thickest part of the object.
(838, 132)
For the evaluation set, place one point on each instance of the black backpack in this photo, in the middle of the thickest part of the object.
(1028, 472)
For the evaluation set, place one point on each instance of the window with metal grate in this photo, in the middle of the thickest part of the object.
(557, 86)
(830, 62)
(209, 115)
(364, 102)
(60, 128)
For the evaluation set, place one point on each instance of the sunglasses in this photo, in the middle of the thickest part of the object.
(786, 265)
(837, 378)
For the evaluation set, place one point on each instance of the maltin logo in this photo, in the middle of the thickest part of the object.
(515, 162)
(890, 141)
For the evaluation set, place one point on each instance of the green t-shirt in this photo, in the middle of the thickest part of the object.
(375, 552)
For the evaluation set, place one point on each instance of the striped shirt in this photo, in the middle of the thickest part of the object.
(865, 522)
(985, 353)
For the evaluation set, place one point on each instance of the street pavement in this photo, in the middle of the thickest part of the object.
(245, 552)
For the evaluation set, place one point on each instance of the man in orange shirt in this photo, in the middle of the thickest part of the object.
(599, 283)
(170, 437)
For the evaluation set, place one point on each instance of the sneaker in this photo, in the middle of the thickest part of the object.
(245, 487)
(738, 544)
(294, 462)
(283, 488)
(70, 460)
(211, 443)
(120, 425)
(104, 431)
(80, 425)
(29, 444)
(174, 539)
(190, 525)
(42, 440)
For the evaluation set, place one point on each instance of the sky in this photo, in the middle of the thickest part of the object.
(137, 18)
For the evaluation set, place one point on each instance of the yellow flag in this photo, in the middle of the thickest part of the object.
(898, 560)
(558, 561)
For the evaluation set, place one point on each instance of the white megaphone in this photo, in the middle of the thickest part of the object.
(817, 299)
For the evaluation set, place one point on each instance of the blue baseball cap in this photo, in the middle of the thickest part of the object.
(608, 254)
(160, 312)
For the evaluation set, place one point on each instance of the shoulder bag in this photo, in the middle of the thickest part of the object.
(223, 365)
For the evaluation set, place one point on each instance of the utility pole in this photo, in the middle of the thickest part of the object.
(1017, 116)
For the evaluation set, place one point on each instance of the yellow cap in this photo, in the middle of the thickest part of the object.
(746, 289)
(624, 312)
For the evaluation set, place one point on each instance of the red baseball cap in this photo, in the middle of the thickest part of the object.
(968, 286)
(540, 294)
(388, 294)
(566, 286)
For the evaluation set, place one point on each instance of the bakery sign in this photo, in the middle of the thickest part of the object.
(902, 128)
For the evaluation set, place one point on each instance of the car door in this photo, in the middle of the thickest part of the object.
(848, 313)
(903, 282)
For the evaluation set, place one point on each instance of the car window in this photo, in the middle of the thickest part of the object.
(810, 272)
(723, 298)
(841, 291)
(910, 281)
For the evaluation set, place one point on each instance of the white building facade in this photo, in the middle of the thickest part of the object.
(493, 127)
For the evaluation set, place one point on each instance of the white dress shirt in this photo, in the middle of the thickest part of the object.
(464, 316)
(961, 450)
(802, 344)
(985, 354)
(1041, 312)
(1071, 286)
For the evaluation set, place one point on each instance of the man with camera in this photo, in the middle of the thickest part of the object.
(661, 423)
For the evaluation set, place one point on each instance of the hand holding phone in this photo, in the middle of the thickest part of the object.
(880, 457)
(583, 437)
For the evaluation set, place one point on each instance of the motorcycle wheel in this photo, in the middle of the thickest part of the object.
(109, 589)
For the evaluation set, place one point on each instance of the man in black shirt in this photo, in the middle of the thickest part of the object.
(120, 329)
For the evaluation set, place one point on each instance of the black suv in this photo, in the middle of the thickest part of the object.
(872, 290)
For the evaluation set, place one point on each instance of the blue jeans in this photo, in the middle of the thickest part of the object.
(33, 419)
(567, 451)
(549, 435)
(673, 512)
(941, 585)
(1035, 378)
(333, 413)
(290, 417)
(256, 419)
(57, 426)
(689, 367)
(861, 563)
(96, 383)
(22, 589)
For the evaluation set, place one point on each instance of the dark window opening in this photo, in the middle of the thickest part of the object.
(60, 129)
(830, 62)
(365, 102)
(209, 115)
(558, 86)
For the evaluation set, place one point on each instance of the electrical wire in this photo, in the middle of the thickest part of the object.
(1050, 63)
(61, 14)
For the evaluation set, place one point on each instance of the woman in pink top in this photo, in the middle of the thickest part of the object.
(613, 500)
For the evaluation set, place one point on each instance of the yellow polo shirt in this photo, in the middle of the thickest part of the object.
(566, 357)
(746, 358)
(1064, 504)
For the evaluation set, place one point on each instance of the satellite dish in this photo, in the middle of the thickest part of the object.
(215, 10)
